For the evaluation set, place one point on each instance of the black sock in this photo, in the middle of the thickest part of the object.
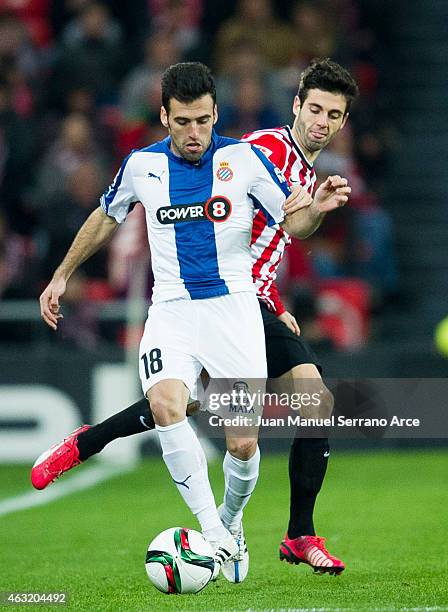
(132, 420)
(308, 461)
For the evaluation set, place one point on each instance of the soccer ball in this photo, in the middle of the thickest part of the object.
(179, 561)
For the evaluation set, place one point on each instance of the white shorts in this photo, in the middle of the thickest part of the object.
(224, 334)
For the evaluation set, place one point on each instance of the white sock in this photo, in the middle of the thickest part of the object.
(186, 462)
(240, 480)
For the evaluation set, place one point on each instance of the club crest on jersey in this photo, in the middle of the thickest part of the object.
(224, 172)
(216, 209)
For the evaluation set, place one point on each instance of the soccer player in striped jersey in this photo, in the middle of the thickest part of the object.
(199, 191)
(281, 146)
(321, 109)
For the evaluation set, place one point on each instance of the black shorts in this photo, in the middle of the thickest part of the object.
(284, 349)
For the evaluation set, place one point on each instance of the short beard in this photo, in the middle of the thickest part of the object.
(190, 157)
(316, 146)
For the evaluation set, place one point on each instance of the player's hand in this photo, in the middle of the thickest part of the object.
(290, 321)
(332, 194)
(193, 406)
(49, 302)
(298, 199)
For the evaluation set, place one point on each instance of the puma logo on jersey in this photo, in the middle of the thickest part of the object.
(158, 177)
(216, 209)
(183, 483)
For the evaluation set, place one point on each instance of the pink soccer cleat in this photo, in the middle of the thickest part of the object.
(58, 459)
(310, 550)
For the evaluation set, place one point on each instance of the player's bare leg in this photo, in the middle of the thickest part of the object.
(308, 461)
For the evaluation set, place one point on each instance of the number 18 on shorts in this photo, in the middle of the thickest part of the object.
(225, 335)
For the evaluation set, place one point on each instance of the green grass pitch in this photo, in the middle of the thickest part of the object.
(385, 514)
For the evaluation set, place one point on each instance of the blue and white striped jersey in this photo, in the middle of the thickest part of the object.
(198, 215)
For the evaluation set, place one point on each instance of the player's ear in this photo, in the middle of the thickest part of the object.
(344, 120)
(296, 105)
(163, 117)
(215, 114)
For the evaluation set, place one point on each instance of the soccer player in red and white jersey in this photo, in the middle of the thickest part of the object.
(268, 244)
(321, 109)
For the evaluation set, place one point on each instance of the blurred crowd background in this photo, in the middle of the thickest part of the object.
(80, 88)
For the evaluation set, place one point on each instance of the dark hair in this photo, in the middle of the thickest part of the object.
(186, 82)
(326, 75)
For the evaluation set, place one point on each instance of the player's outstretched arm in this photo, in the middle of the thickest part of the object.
(95, 232)
(302, 221)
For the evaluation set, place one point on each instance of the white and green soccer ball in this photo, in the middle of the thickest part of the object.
(179, 560)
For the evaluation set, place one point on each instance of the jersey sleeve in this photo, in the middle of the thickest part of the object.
(119, 199)
(272, 147)
(274, 296)
(269, 188)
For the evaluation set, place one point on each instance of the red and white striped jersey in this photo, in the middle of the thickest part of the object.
(268, 243)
